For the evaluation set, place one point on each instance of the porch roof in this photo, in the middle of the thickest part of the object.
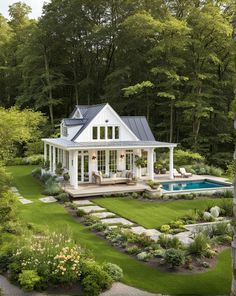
(70, 145)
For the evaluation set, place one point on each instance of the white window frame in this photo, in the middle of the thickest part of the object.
(114, 126)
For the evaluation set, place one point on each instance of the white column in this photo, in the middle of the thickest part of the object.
(50, 158)
(73, 168)
(45, 151)
(92, 163)
(63, 158)
(171, 163)
(151, 163)
(137, 170)
(53, 159)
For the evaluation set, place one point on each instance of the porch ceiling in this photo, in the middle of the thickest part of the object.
(70, 145)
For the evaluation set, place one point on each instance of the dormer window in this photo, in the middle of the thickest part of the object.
(64, 131)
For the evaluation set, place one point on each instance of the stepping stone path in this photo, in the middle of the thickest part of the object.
(91, 209)
(184, 237)
(122, 221)
(112, 220)
(14, 189)
(84, 202)
(48, 199)
(152, 233)
(25, 201)
(102, 215)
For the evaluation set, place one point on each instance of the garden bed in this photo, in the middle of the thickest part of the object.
(199, 256)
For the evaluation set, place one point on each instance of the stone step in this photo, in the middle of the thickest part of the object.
(122, 221)
(84, 202)
(103, 215)
(90, 209)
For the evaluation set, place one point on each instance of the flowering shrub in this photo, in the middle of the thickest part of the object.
(55, 258)
(115, 272)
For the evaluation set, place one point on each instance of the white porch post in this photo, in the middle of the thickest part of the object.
(151, 163)
(73, 168)
(63, 158)
(45, 152)
(137, 170)
(171, 163)
(50, 158)
(54, 159)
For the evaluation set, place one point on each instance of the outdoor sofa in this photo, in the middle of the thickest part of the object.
(113, 178)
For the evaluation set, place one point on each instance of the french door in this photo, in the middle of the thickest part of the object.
(83, 166)
(107, 161)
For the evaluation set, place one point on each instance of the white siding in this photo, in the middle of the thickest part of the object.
(107, 117)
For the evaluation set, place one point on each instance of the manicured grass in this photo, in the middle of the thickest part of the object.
(153, 214)
(54, 217)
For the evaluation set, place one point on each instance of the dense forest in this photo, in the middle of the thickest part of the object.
(171, 60)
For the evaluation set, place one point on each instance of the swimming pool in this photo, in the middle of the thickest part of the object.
(198, 185)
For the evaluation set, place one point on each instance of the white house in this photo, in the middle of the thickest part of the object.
(96, 139)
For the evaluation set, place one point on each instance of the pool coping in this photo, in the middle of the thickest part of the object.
(205, 190)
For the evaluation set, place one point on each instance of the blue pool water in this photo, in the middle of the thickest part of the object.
(192, 185)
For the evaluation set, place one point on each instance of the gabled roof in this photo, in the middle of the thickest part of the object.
(139, 126)
(88, 113)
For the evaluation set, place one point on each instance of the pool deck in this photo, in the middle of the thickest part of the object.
(92, 190)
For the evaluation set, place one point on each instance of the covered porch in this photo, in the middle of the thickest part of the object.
(112, 159)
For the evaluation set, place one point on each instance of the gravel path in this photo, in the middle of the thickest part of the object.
(118, 289)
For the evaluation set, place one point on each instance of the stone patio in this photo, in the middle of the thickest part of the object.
(48, 199)
(122, 221)
(102, 215)
(91, 209)
(84, 202)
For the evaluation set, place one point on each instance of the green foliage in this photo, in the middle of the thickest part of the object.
(165, 228)
(28, 279)
(53, 189)
(59, 169)
(95, 279)
(114, 271)
(36, 173)
(187, 157)
(200, 245)
(167, 242)
(63, 197)
(174, 257)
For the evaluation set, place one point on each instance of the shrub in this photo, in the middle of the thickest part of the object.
(59, 169)
(28, 279)
(36, 173)
(45, 177)
(132, 250)
(53, 189)
(221, 229)
(200, 245)
(143, 256)
(208, 217)
(34, 159)
(95, 279)
(227, 194)
(165, 228)
(167, 242)
(99, 226)
(63, 197)
(187, 157)
(115, 272)
(135, 195)
(226, 208)
(174, 257)
(80, 213)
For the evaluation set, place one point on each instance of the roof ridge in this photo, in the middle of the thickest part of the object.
(90, 106)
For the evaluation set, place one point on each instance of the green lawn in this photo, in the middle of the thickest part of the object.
(152, 214)
(53, 216)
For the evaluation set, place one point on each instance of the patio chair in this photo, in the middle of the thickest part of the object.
(184, 173)
(176, 173)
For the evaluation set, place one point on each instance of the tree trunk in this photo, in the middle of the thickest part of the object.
(171, 120)
(50, 105)
(233, 286)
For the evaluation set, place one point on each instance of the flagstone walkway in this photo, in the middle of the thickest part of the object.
(21, 198)
(113, 220)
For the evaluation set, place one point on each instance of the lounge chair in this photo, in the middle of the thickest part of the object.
(176, 173)
(184, 173)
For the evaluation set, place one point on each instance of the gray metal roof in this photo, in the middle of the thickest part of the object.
(88, 113)
(66, 144)
(74, 121)
(139, 126)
